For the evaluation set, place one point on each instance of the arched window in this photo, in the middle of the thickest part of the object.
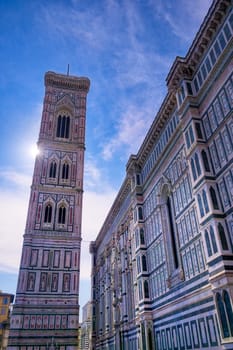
(48, 214)
(62, 215)
(142, 238)
(53, 169)
(208, 246)
(173, 240)
(214, 198)
(139, 264)
(205, 160)
(200, 205)
(213, 240)
(146, 289)
(140, 214)
(222, 237)
(193, 170)
(140, 290)
(144, 264)
(197, 164)
(222, 316)
(206, 206)
(65, 171)
(229, 311)
(63, 126)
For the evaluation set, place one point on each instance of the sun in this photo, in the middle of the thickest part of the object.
(34, 151)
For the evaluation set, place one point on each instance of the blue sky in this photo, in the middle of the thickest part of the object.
(126, 48)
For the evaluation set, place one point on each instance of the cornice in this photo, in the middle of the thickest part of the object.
(185, 67)
(67, 81)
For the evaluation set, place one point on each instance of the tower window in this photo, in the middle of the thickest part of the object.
(208, 246)
(225, 314)
(144, 264)
(63, 126)
(174, 248)
(222, 237)
(48, 214)
(205, 160)
(205, 201)
(53, 169)
(200, 205)
(62, 215)
(214, 198)
(197, 164)
(193, 170)
(142, 238)
(65, 171)
(146, 289)
(213, 240)
(198, 130)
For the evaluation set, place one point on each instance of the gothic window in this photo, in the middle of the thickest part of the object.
(144, 264)
(229, 311)
(65, 171)
(227, 142)
(205, 161)
(198, 130)
(218, 111)
(187, 140)
(212, 119)
(138, 264)
(220, 149)
(208, 245)
(53, 169)
(197, 164)
(207, 126)
(142, 237)
(229, 90)
(225, 314)
(140, 290)
(214, 157)
(214, 198)
(48, 214)
(230, 184)
(62, 214)
(140, 214)
(224, 194)
(205, 201)
(213, 240)
(63, 126)
(146, 289)
(222, 316)
(193, 169)
(224, 102)
(173, 240)
(222, 236)
(200, 205)
(137, 238)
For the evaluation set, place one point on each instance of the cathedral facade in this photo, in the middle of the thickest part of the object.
(46, 310)
(162, 263)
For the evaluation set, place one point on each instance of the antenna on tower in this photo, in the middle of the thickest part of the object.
(68, 69)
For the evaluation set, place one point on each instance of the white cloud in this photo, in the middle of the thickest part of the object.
(183, 17)
(13, 209)
(95, 209)
(21, 180)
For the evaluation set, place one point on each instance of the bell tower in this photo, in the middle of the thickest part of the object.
(46, 310)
